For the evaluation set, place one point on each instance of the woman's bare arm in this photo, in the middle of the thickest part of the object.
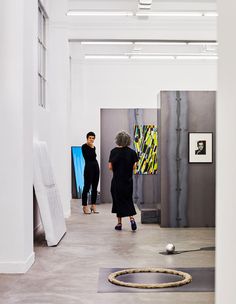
(110, 166)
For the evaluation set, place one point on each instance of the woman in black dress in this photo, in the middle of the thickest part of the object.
(91, 173)
(122, 161)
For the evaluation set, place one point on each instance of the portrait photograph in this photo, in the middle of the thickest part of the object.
(200, 147)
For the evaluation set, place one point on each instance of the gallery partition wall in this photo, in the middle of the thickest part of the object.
(188, 158)
(141, 124)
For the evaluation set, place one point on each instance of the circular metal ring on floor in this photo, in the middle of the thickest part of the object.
(187, 278)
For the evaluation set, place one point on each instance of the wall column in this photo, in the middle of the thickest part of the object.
(17, 86)
(226, 153)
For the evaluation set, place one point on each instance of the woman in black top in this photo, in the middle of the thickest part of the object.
(91, 173)
(122, 161)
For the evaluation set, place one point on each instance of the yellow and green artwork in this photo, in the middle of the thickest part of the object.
(146, 144)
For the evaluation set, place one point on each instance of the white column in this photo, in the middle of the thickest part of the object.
(226, 153)
(58, 98)
(17, 83)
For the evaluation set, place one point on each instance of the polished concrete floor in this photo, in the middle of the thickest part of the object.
(68, 273)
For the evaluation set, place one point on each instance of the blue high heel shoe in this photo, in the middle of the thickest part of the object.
(133, 225)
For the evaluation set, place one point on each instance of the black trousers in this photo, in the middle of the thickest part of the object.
(91, 178)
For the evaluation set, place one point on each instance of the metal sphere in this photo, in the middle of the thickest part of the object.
(170, 248)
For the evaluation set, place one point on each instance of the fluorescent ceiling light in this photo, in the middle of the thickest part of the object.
(143, 13)
(154, 57)
(159, 43)
(197, 57)
(144, 6)
(145, 2)
(172, 54)
(99, 13)
(202, 43)
(106, 42)
(151, 57)
(106, 57)
(178, 14)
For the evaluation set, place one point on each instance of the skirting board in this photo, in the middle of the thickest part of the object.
(67, 213)
(17, 266)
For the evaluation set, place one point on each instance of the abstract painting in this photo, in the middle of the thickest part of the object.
(146, 145)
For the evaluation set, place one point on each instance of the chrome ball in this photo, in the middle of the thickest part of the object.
(170, 248)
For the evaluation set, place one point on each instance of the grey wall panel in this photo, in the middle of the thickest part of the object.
(187, 190)
(112, 121)
(146, 187)
(174, 159)
(201, 189)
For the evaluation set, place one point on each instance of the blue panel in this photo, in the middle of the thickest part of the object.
(78, 162)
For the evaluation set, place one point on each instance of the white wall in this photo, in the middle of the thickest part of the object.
(18, 82)
(21, 119)
(50, 124)
(119, 84)
(226, 151)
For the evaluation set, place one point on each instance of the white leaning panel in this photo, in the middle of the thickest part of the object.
(47, 195)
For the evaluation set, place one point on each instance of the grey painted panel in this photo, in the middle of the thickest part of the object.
(112, 121)
(146, 187)
(187, 190)
(201, 194)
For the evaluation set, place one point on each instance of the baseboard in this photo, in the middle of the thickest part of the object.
(17, 266)
(67, 213)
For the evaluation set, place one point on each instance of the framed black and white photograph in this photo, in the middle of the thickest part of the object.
(200, 147)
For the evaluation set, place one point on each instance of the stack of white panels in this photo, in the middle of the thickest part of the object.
(47, 195)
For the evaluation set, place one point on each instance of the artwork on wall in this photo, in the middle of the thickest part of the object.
(146, 144)
(78, 166)
(200, 147)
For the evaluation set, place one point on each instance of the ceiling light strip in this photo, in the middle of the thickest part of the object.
(99, 13)
(163, 57)
(177, 14)
(143, 13)
(171, 54)
(154, 57)
(200, 57)
(106, 42)
(159, 43)
(145, 42)
(106, 57)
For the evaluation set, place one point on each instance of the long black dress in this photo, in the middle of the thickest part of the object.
(122, 160)
(91, 174)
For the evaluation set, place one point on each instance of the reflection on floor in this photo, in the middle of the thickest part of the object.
(69, 272)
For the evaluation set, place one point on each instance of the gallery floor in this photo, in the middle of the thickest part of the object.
(69, 272)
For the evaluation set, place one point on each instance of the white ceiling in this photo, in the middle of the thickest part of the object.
(140, 28)
(133, 4)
